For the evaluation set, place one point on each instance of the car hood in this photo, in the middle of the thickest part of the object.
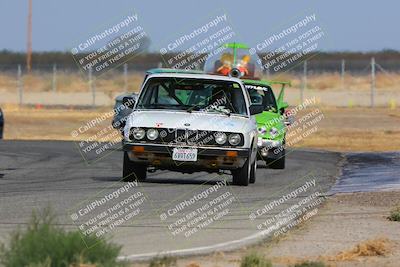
(185, 120)
(267, 116)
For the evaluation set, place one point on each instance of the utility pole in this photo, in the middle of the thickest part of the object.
(29, 39)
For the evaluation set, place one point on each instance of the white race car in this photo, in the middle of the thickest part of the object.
(189, 122)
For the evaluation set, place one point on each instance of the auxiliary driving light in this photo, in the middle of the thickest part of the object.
(139, 149)
(234, 139)
(152, 134)
(220, 138)
(138, 133)
(231, 154)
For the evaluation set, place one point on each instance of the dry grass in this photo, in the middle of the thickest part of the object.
(71, 82)
(114, 81)
(342, 129)
(368, 248)
(49, 124)
(355, 129)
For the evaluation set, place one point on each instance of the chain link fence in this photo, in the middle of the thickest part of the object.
(367, 83)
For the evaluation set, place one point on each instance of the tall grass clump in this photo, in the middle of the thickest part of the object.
(254, 260)
(43, 244)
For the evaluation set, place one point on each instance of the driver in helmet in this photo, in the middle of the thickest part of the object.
(242, 66)
(227, 61)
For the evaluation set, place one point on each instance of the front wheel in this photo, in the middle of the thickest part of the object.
(253, 172)
(132, 171)
(277, 163)
(241, 176)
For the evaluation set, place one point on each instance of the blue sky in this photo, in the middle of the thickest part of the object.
(57, 25)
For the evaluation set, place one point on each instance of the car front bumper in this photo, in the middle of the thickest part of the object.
(208, 158)
(271, 149)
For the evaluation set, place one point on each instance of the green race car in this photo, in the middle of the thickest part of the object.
(236, 60)
(271, 123)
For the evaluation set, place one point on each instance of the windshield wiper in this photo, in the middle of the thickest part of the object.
(223, 111)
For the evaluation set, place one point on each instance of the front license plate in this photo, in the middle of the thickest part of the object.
(184, 154)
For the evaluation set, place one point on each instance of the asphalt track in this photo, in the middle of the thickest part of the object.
(38, 174)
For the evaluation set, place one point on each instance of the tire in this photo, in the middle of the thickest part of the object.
(253, 172)
(132, 171)
(277, 163)
(241, 176)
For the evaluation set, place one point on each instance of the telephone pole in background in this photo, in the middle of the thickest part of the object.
(29, 38)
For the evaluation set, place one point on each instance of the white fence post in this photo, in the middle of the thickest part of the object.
(92, 87)
(125, 77)
(342, 73)
(304, 83)
(19, 85)
(54, 82)
(372, 82)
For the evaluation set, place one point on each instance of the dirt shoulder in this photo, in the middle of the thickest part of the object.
(350, 230)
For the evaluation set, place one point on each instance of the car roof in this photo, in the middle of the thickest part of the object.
(166, 70)
(195, 76)
(264, 82)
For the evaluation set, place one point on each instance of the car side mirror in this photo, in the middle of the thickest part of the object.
(282, 106)
(128, 101)
(256, 109)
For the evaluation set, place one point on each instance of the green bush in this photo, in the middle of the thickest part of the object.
(310, 264)
(255, 260)
(395, 214)
(46, 245)
(163, 262)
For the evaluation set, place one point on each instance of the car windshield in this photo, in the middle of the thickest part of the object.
(212, 96)
(262, 95)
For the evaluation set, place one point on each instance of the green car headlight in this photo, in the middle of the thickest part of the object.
(273, 132)
(262, 130)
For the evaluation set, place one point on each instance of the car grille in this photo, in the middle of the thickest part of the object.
(187, 137)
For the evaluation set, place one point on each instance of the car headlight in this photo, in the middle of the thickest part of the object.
(273, 132)
(262, 130)
(234, 139)
(138, 133)
(152, 134)
(220, 138)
